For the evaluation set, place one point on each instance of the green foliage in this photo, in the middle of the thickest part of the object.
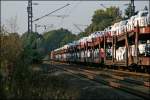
(32, 44)
(17, 79)
(128, 11)
(14, 70)
(11, 47)
(32, 40)
(146, 8)
(82, 34)
(37, 46)
(57, 38)
(103, 18)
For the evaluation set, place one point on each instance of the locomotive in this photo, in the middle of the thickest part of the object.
(125, 45)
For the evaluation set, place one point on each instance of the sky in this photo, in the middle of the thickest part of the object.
(78, 12)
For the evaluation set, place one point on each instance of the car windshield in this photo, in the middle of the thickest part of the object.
(142, 41)
(144, 14)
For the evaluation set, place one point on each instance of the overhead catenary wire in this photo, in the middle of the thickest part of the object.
(78, 27)
(68, 12)
(51, 12)
(73, 8)
(39, 4)
(62, 19)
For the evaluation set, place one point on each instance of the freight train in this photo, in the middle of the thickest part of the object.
(125, 45)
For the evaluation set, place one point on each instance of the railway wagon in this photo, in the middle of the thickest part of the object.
(126, 45)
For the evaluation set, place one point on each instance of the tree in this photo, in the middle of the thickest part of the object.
(128, 11)
(11, 46)
(14, 68)
(32, 43)
(145, 8)
(57, 38)
(104, 18)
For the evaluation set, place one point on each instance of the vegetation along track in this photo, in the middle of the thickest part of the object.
(122, 81)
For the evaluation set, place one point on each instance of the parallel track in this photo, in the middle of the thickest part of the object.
(130, 85)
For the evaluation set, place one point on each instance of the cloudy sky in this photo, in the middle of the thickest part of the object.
(78, 12)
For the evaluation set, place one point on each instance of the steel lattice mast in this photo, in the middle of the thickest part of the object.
(29, 10)
(132, 8)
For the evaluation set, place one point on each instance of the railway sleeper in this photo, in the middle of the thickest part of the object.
(115, 85)
(122, 87)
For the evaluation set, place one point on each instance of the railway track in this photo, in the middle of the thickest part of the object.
(124, 74)
(112, 78)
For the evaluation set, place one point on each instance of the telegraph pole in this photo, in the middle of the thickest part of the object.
(132, 8)
(29, 10)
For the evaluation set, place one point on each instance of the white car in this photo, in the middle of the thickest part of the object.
(107, 31)
(141, 18)
(141, 47)
(122, 26)
(148, 19)
(130, 24)
(114, 29)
